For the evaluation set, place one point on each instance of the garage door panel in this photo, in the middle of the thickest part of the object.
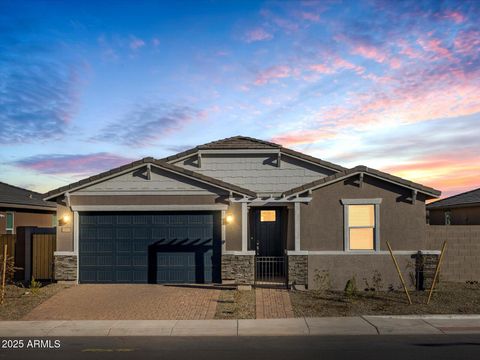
(149, 247)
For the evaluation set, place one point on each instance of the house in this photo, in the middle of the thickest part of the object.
(460, 209)
(22, 207)
(238, 210)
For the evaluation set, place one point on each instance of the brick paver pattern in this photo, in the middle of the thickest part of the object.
(128, 302)
(273, 304)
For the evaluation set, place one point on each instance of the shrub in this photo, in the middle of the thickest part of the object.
(351, 287)
(35, 286)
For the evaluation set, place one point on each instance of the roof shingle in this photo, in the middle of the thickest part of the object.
(361, 168)
(466, 198)
(10, 194)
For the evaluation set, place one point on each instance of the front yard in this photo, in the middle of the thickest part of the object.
(19, 300)
(449, 298)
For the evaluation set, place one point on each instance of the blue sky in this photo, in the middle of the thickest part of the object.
(87, 86)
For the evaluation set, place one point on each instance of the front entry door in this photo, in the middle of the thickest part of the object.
(266, 232)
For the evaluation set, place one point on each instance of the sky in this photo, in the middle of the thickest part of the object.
(87, 86)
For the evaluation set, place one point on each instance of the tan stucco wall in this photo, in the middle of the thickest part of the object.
(233, 233)
(341, 268)
(401, 222)
(26, 218)
(458, 216)
(64, 233)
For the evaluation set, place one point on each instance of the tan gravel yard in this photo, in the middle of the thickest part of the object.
(19, 300)
(451, 298)
(234, 304)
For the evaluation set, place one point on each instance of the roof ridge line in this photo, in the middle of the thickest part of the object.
(20, 188)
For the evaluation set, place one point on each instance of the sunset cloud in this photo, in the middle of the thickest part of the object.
(258, 34)
(273, 73)
(75, 164)
(145, 123)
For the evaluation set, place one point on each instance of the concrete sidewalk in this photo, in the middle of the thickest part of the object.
(363, 325)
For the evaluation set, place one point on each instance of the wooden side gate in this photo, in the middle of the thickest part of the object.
(43, 246)
(9, 240)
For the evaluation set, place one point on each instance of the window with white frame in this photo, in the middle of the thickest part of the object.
(361, 218)
(9, 223)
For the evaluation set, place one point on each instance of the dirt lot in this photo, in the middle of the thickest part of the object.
(234, 304)
(19, 300)
(450, 298)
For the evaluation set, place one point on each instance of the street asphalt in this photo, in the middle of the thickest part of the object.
(402, 347)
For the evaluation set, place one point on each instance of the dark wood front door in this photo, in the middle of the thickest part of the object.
(266, 231)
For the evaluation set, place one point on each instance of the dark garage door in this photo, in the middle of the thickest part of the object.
(140, 247)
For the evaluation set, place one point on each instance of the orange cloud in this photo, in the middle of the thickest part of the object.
(449, 173)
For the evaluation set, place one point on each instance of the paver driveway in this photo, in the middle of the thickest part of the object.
(128, 302)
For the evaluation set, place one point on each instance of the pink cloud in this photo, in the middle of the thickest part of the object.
(273, 73)
(302, 137)
(370, 52)
(310, 16)
(467, 42)
(258, 34)
(320, 68)
(73, 164)
(435, 46)
(136, 43)
(455, 16)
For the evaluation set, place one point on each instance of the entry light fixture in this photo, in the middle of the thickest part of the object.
(65, 219)
(229, 219)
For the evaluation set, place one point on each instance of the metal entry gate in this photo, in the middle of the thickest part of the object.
(271, 271)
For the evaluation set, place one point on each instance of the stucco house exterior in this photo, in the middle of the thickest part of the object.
(460, 209)
(238, 210)
(22, 207)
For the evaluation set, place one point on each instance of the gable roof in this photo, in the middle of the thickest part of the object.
(245, 142)
(363, 169)
(139, 163)
(14, 195)
(467, 198)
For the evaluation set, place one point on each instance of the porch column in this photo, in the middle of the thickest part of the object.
(244, 227)
(76, 231)
(297, 226)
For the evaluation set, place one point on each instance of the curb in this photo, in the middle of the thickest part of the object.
(326, 326)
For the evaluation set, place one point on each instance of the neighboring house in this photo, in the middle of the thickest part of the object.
(22, 207)
(460, 209)
(234, 210)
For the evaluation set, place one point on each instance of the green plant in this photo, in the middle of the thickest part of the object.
(322, 280)
(351, 287)
(35, 286)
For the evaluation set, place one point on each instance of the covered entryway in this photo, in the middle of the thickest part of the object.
(269, 240)
(149, 247)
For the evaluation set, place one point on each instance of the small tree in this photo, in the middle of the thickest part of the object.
(7, 263)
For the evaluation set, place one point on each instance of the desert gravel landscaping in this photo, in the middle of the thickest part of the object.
(234, 304)
(449, 298)
(19, 300)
